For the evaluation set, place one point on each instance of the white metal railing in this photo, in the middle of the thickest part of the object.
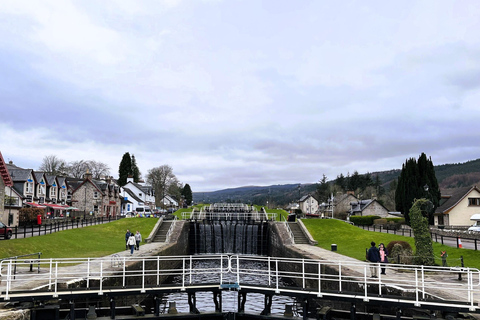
(233, 216)
(188, 215)
(282, 219)
(419, 285)
(170, 230)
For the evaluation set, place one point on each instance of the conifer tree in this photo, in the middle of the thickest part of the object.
(187, 194)
(125, 169)
(414, 178)
(135, 171)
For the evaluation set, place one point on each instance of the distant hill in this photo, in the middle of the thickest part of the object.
(449, 176)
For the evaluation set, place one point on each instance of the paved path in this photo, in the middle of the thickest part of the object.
(394, 276)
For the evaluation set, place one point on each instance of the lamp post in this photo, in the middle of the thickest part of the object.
(429, 204)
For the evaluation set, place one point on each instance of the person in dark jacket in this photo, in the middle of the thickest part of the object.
(127, 235)
(373, 256)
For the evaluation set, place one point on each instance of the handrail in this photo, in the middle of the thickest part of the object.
(279, 275)
(170, 230)
(288, 227)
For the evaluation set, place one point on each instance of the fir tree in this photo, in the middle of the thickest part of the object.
(187, 194)
(135, 171)
(414, 178)
(125, 169)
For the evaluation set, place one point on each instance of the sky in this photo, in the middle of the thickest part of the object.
(236, 92)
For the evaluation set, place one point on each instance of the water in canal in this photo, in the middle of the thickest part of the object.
(204, 300)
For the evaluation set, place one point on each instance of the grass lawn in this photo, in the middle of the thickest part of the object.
(92, 241)
(351, 241)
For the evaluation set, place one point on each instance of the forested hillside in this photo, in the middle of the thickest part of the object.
(449, 176)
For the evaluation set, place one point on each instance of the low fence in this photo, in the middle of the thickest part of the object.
(52, 226)
(438, 235)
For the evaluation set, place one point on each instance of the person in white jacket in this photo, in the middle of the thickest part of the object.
(138, 239)
(131, 242)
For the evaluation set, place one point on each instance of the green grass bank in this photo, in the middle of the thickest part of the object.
(352, 241)
(92, 241)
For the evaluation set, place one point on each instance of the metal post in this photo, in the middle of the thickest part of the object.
(112, 308)
(72, 310)
(460, 273)
(353, 312)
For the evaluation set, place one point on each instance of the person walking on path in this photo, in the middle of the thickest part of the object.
(127, 235)
(373, 256)
(131, 242)
(138, 239)
(383, 256)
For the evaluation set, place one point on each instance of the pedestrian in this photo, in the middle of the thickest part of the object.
(383, 256)
(444, 256)
(127, 235)
(138, 239)
(373, 256)
(131, 242)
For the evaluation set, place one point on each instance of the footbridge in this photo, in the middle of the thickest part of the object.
(229, 211)
(431, 288)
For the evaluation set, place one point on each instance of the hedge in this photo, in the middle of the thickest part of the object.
(363, 220)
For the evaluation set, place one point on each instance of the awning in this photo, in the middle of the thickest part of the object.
(112, 202)
(54, 206)
(71, 208)
(36, 205)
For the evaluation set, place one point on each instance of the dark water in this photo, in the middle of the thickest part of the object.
(205, 303)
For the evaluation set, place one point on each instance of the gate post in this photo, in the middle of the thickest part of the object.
(192, 303)
(112, 308)
(72, 310)
(156, 306)
(353, 311)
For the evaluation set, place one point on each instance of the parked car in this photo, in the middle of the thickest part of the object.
(5, 232)
(476, 224)
(130, 214)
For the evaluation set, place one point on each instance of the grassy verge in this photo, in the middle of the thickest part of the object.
(352, 241)
(92, 241)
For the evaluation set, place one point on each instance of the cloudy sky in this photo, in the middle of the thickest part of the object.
(237, 92)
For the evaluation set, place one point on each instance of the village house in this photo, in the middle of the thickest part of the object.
(370, 207)
(457, 206)
(308, 204)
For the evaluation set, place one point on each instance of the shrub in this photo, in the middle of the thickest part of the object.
(399, 253)
(363, 221)
(29, 215)
(380, 221)
(404, 245)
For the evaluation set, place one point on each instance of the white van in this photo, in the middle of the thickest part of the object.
(476, 224)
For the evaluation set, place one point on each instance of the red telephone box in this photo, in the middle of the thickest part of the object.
(39, 219)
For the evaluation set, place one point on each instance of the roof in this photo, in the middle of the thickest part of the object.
(131, 194)
(20, 174)
(304, 198)
(454, 198)
(7, 179)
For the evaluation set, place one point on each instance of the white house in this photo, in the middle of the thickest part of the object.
(308, 204)
(457, 207)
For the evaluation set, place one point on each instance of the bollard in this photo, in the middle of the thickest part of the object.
(91, 313)
(288, 311)
(334, 247)
(172, 307)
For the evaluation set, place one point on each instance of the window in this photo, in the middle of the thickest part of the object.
(474, 201)
(95, 195)
(29, 188)
(53, 192)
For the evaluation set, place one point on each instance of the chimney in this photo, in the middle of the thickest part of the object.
(87, 175)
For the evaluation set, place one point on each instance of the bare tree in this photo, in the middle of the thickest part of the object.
(98, 169)
(161, 178)
(53, 165)
(77, 169)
